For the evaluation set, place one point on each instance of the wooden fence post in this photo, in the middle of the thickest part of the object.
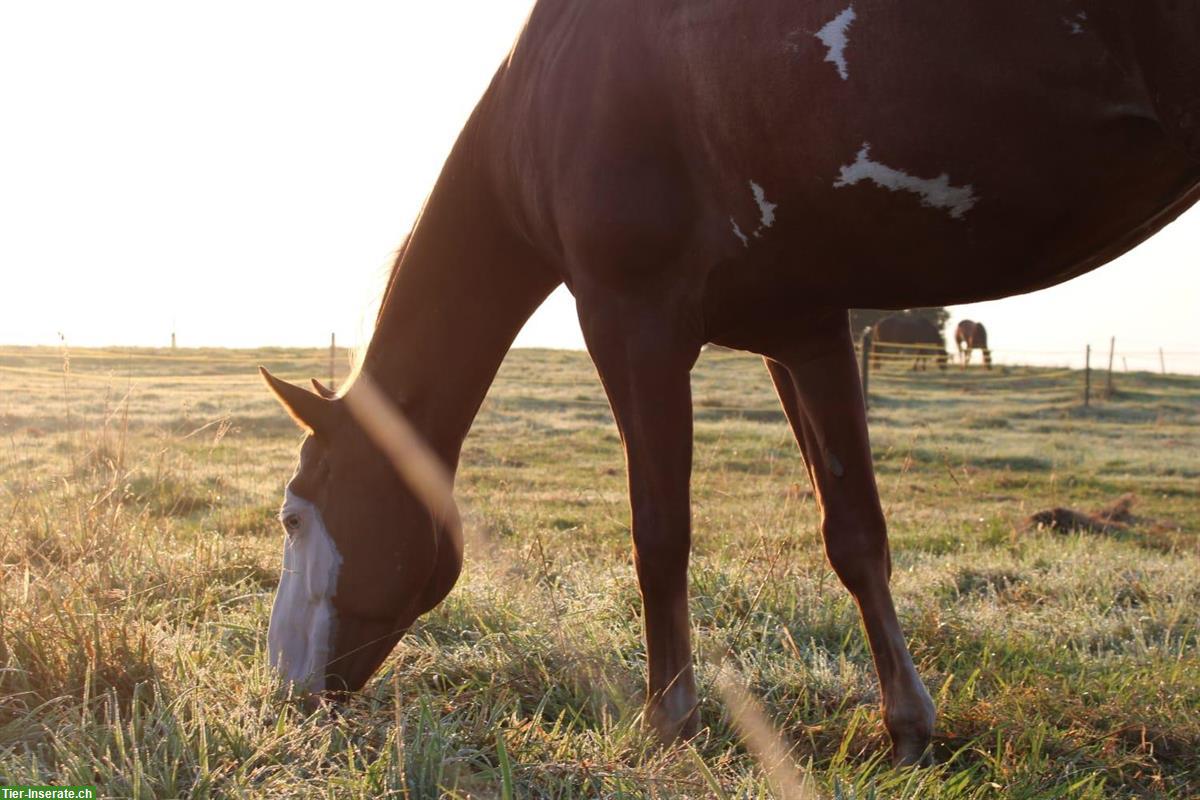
(1087, 377)
(1112, 349)
(333, 361)
(1162, 362)
(867, 339)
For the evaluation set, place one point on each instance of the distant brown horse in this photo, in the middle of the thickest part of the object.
(908, 335)
(738, 173)
(970, 336)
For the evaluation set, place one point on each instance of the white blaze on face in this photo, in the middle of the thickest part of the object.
(302, 618)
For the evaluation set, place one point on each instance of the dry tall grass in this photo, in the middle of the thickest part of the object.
(139, 553)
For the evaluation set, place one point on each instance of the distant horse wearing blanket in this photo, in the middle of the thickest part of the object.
(968, 336)
(737, 173)
(901, 336)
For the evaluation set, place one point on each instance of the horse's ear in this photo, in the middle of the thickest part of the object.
(311, 412)
(323, 390)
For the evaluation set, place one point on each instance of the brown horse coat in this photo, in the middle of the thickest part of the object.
(740, 173)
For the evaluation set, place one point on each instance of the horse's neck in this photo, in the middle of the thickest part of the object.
(462, 287)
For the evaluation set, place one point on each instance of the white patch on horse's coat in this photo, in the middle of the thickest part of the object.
(302, 618)
(766, 210)
(1075, 24)
(935, 193)
(766, 216)
(737, 231)
(835, 37)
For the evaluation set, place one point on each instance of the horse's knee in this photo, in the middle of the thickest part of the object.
(857, 549)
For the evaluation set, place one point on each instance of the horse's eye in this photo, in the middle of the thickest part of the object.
(292, 522)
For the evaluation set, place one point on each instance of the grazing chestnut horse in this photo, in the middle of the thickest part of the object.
(738, 173)
(968, 336)
(908, 335)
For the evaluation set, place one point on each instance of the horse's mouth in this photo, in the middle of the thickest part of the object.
(362, 646)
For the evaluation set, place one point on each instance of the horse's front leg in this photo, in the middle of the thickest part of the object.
(645, 362)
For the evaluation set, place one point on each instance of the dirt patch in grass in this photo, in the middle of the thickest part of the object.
(993, 581)
(1114, 519)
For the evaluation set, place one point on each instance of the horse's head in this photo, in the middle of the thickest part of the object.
(361, 558)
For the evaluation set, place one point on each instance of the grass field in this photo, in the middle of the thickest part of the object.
(139, 552)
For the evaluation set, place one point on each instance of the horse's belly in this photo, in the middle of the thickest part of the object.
(877, 246)
(884, 242)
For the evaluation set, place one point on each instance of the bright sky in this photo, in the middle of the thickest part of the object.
(241, 173)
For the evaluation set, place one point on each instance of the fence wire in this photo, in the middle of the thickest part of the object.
(133, 369)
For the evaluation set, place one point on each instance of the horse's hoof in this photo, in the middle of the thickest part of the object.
(679, 726)
(909, 723)
(912, 753)
(671, 732)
